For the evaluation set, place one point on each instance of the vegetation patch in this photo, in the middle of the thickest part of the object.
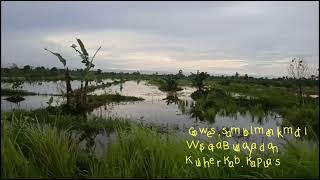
(15, 99)
(35, 149)
(10, 92)
(95, 101)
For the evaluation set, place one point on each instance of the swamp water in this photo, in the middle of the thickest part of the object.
(162, 109)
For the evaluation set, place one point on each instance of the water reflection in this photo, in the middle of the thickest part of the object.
(94, 142)
(30, 103)
(14, 99)
(121, 87)
(51, 87)
(179, 110)
(172, 97)
(173, 109)
(138, 81)
(168, 110)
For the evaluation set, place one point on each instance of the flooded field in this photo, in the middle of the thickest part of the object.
(162, 109)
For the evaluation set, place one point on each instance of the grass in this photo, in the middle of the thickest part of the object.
(38, 149)
(65, 121)
(143, 153)
(259, 102)
(104, 85)
(160, 83)
(164, 86)
(95, 101)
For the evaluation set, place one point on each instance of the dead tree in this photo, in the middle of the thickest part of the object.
(299, 70)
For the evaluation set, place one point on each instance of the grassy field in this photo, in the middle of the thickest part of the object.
(39, 146)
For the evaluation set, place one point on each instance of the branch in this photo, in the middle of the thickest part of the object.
(62, 60)
(95, 54)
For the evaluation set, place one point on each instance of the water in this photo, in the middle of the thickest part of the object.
(170, 113)
(50, 87)
(95, 143)
(152, 110)
(30, 103)
(155, 110)
(45, 87)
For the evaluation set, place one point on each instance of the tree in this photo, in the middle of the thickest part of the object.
(67, 74)
(14, 66)
(137, 73)
(27, 67)
(180, 74)
(314, 73)
(197, 79)
(87, 74)
(54, 69)
(88, 65)
(313, 77)
(237, 75)
(99, 71)
(245, 76)
(298, 69)
(170, 83)
(40, 68)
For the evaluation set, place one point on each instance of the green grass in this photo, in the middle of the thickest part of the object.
(66, 121)
(219, 100)
(39, 145)
(163, 86)
(33, 149)
(143, 153)
(159, 82)
(95, 101)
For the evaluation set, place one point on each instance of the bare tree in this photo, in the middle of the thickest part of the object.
(314, 72)
(299, 70)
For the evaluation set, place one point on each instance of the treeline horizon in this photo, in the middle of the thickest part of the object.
(54, 70)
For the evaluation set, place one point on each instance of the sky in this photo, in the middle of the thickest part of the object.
(254, 38)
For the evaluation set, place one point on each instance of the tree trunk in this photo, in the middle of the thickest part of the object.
(68, 85)
(85, 93)
(300, 91)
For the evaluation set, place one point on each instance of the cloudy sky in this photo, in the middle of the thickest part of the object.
(257, 38)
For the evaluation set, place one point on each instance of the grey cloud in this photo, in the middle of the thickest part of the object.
(260, 33)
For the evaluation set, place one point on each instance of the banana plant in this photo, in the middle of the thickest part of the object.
(62, 60)
(88, 76)
(67, 74)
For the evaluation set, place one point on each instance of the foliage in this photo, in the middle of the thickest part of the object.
(170, 83)
(197, 79)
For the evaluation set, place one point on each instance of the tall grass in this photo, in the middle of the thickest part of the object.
(143, 153)
(33, 149)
